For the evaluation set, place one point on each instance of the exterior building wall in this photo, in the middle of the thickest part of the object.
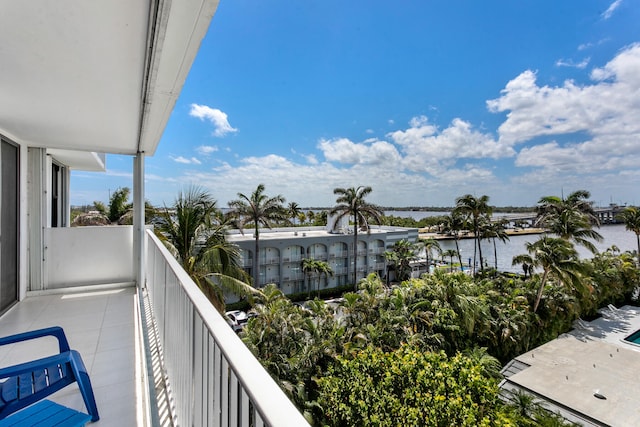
(283, 249)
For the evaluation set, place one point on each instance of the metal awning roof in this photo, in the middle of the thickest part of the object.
(95, 76)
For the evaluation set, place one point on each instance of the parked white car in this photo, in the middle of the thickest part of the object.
(237, 319)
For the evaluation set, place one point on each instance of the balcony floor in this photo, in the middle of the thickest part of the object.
(101, 326)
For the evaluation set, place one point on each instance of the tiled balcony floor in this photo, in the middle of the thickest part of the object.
(101, 326)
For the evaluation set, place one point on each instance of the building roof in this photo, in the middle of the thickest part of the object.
(312, 233)
(589, 375)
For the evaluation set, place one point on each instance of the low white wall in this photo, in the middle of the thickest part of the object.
(88, 256)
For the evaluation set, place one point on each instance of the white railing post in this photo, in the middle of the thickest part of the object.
(138, 218)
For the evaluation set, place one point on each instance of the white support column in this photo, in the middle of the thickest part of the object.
(36, 219)
(138, 219)
(66, 202)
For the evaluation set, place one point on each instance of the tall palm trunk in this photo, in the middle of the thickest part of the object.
(458, 251)
(475, 253)
(540, 290)
(427, 257)
(256, 260)
(355, 250)
(478, 240)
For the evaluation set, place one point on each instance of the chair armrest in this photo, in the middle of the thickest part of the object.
(55, 331)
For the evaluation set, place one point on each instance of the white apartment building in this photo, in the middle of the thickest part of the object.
(283, 249)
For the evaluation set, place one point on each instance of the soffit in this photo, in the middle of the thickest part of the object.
(95, 75)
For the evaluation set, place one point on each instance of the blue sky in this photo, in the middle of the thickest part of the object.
(424, 101)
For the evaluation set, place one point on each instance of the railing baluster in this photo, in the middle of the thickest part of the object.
(244, 409)
(199, 373)
(212, 414)
(233, 400)
(217, 378)
(224, 380)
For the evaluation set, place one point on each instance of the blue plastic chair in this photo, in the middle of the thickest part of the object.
(29, 382)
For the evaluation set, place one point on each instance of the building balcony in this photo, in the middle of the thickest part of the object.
(292, 258)
(157, 354)
(293, 277)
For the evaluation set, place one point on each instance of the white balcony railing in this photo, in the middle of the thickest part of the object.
(214, 378)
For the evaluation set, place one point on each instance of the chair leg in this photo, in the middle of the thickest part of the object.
(84, 384)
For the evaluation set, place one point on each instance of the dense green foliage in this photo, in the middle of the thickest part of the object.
(118, 203)
(408, 387)
(397, 221)
(456, 328)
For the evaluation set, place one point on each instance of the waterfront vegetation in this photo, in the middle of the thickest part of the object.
(426, 349)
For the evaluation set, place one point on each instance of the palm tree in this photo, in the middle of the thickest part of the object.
(322, 269)
(351, 203)
(631, 218)
(311, 216)
(572, 218)
(294, 211)
(400, 256)
(118, 204)
(449, 253)
(429, 246)
(199, 244)
(493, 231)
(452, 225)
(257, 209)
(309, 266)
(475, 210)
(557, 258)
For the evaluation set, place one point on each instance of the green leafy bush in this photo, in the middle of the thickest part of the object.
(409, 387)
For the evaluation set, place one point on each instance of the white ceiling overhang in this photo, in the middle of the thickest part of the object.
(95, 76)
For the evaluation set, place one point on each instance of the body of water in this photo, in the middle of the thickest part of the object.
(613, 235)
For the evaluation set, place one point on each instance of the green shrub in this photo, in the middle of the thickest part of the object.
(410, 388)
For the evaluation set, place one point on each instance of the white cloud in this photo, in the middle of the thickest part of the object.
(311, 159)
(589, 45)
(186, 161)
(371, 152)
(612, 7)
(206, 150)
(425, 148)
(569, 63)
(607, 107)
(218, 118)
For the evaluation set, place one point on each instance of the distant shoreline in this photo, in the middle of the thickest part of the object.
(424, 234)
(443, 209)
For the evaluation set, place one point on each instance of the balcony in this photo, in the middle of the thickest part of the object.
(158, 355)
